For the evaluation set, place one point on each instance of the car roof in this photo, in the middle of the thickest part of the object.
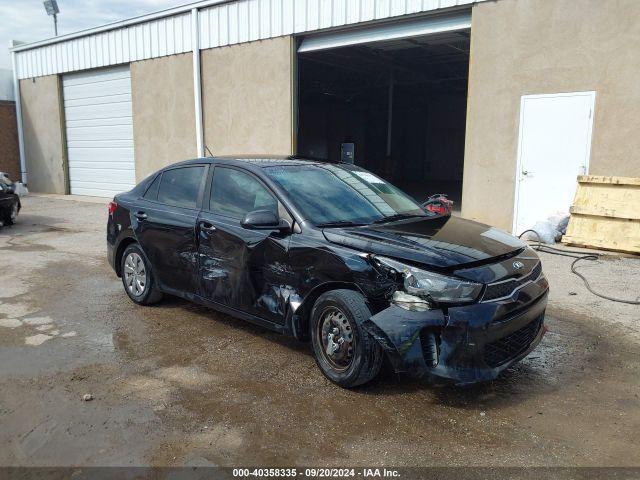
(259, 161)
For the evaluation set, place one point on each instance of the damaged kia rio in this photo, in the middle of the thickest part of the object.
(332, 254)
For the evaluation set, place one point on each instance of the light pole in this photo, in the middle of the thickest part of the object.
(51, 6)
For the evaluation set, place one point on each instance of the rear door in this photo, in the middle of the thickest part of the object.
(165, 223)
(239, 268)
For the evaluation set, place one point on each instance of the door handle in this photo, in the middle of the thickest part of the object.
(527, 173)
(207, 227)
(141, 216)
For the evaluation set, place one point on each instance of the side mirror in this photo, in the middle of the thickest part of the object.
(264, 220)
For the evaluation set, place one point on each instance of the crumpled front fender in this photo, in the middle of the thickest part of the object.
(398, 332)
(468, 343)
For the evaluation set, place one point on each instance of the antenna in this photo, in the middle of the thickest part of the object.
(207, 149)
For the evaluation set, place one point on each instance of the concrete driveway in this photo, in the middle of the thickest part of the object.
(179, 384)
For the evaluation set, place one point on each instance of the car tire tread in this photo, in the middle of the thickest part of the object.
(369, 353)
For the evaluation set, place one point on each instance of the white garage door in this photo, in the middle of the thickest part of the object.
(99, 127)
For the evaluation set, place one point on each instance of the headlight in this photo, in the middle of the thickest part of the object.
(432, 286)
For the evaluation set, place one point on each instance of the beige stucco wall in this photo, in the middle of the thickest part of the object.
(43, 134)
(247, 98)
(521, 47)
(163, 112)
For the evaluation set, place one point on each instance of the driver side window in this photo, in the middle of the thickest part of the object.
(235, 193)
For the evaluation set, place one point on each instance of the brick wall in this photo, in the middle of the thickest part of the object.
(9, 155)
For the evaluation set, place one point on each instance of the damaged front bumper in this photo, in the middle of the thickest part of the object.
(466, 344)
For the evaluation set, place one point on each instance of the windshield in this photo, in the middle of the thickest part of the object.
(339, 194)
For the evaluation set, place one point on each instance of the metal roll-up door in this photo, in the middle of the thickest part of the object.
(421, 26)
(99, 131)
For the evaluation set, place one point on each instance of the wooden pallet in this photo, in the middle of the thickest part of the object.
(606, 214)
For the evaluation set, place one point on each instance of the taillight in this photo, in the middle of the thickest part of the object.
(112, 207)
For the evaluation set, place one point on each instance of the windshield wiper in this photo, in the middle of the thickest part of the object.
(398, 216)
(340, 223)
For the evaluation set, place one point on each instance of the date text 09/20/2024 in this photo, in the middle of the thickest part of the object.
(315, 472)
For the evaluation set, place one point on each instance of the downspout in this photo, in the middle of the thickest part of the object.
(197, 80)
(16, 91)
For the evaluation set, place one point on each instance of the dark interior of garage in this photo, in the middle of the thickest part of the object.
(401, 103)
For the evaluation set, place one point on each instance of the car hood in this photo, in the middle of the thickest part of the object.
(440, 242)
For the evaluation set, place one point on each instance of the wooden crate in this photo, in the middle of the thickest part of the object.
(606, 214)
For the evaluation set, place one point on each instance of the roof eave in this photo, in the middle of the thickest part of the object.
(119, 24)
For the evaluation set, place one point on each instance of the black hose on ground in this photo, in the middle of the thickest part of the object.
(579, 256)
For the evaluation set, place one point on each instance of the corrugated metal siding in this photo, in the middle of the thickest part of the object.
(248, 20)
(224, 24)
(165, 36)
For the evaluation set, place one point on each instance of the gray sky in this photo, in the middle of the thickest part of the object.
(27, 21)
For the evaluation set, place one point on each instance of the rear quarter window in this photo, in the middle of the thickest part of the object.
(152, 191)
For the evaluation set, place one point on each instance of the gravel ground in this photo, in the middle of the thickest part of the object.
(612, 275)
(179, 384)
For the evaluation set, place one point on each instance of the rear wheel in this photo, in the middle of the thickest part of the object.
(137, 277)
(346, 354)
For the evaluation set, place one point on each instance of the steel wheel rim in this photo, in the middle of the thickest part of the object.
(135, 274)
(337, 339)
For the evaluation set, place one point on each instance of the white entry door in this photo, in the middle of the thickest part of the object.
(554, 148)
(99, 128)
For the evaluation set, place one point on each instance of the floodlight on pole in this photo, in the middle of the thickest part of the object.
(51, 6)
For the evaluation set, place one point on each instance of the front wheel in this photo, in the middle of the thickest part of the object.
(137, 277)
(346, 354)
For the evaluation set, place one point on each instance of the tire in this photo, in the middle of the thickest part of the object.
(12, 214)
(137, 277)
(341, 313)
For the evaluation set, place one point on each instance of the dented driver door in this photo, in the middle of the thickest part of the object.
(239, 268)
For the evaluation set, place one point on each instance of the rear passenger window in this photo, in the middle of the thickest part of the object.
(180, 186)
(235, 193)
(152, 191)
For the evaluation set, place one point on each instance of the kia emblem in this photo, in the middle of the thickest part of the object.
(518, 265)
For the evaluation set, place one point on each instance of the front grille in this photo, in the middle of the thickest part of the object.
(498, 290)
(506, 348)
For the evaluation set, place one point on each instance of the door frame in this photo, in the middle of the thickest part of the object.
(523, 99)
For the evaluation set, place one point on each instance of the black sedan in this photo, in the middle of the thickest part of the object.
(9, 205)
(332, 254)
